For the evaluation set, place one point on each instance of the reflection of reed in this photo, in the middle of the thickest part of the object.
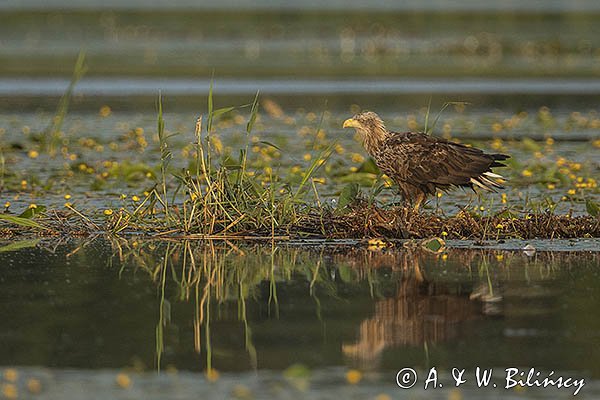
(426, 305)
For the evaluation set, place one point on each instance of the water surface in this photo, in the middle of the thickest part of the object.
(291, 320)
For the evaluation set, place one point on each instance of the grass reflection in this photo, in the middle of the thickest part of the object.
(365, 302)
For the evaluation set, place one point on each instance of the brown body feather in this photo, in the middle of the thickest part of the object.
(421, 164)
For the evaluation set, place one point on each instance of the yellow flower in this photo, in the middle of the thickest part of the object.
(571, 192)
(440, 194)
(105, 111)
(32, 205)
(499, 226)
(497, 144)
(7, 204)
(67, 196)
(497, 127)
(526, 173)
(376, 242)
(23, 183)
(499, 257)
(357, 158)
(241, 392)
(307, 157)
(11, 375)
(123, 380)
(108, 212)
(212, 375)
(455, 394)
(10, 391)
(33, 154)
(551, 186)
(34, 386)
(123, 196)
(135, 198)
(353, 376)
(444, 233)
(68, 205)
(503, 198)
(444, 257)
(549, 141)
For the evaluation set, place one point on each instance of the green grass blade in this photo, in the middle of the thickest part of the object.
(253, 114)
(165, 153)
(21, 244)
(51, 135)
(324, 155)
(427, 114)
(439, 114)
(26, 222)
(210, 107)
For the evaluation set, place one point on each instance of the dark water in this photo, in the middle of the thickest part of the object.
(270, 316)
(384, 55)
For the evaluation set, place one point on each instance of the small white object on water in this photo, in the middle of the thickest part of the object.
(529, 250)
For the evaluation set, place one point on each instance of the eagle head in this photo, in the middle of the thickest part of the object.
(367, 121)
(371, 128)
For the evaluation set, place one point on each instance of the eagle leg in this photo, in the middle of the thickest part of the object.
(420, 197)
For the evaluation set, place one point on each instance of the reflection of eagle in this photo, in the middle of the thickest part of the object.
(420, 164)
(421, 312)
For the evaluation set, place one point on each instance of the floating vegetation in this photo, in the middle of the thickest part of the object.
(221, 196)
(363, 220)
(307, 184)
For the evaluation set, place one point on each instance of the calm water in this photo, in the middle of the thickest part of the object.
(405, 51)
(289, 321)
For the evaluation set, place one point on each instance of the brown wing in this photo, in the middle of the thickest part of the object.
(429, 162)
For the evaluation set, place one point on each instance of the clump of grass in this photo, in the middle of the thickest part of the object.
(219, 198)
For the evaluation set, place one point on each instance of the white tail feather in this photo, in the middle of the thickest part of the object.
(493, 175)
(476, 182)
(488, 181)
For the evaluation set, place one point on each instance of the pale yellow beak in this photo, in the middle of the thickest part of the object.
(351, 123)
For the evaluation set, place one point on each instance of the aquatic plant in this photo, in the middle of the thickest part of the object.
(220, 197)
(52, 135)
